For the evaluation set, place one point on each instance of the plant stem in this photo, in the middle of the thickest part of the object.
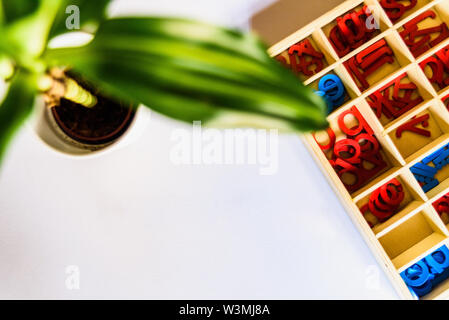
(74, 92)
(57, 85)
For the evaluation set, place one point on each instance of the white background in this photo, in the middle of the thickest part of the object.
(138, 226)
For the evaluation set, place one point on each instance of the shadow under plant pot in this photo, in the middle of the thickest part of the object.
(74, 129)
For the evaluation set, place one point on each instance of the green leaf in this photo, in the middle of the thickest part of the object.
(193, 71)
(15, 108)
(2, 15)
(92, 12)
(28, 35)
(13, 10)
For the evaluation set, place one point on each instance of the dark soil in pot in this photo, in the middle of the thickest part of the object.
(102, 124)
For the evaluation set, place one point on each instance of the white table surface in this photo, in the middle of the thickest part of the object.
(137, 226)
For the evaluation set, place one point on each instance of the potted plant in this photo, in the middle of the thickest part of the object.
(183, 69)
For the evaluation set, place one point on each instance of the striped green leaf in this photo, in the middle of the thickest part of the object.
(17, 9)
(15, 108)
(194, 71)
(27, 36)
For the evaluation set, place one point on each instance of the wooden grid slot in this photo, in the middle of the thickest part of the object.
(440, 174)
(441, 291)
(423, 129)
(335, 30)
(432, 27)
(336, 137)
(392, 59)
(414, 227)
(398, 12)
(437, 284)
(386, 215)
(411, 239)
(306, 58)
(398, 97)
(436, 69)
(350, 92)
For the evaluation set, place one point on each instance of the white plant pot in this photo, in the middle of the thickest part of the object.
(46, 128)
